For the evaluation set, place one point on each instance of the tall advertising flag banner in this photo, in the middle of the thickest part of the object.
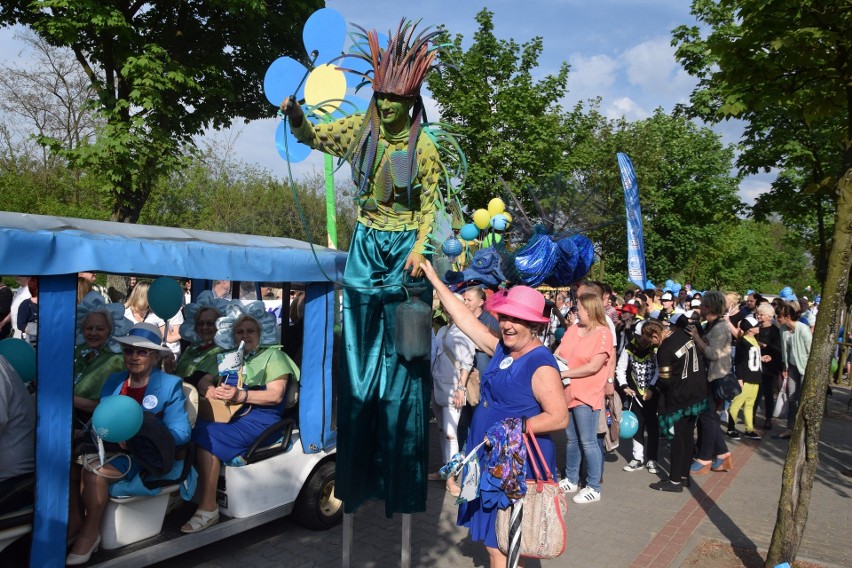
(635, 240)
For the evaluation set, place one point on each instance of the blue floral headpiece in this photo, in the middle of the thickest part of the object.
(206, 299)
(119, 325)
(257, 311)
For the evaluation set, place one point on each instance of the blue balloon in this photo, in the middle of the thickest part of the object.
(452, 247)
(669, 284)
(117, 418)
(324, 32)
(629, 425)
(469, 232)
(649, 285)
(499, 222)
(21, 355)
(282, 77)
(559, 333)
(165, 297)
(288, 147)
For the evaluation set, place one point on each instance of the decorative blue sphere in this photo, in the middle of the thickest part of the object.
(452, 247)
(117, 418)
(629, 425)
(469, 232)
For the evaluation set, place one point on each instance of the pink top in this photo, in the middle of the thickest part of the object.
(578, 351)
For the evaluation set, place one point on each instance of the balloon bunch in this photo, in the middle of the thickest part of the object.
(494, 217)
(673, 287)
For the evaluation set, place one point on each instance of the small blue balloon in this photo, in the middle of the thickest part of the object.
(669, 284)
(452, 247)
(165, 297)
(649, 285)
(499, 222)
(629, 425)
(21, 355)
(117, 418)
(469, 232)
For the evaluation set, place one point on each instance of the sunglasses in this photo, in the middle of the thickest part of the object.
(130, 351)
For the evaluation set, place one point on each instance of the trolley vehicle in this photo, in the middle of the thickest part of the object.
(293, 475)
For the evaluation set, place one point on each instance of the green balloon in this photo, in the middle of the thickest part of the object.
(21, 355)
(165, 297)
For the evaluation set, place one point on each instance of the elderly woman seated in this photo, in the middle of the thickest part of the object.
(98, 354)
(199, 328)
(159, 394)
(265, 372)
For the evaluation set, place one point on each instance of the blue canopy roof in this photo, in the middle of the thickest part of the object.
(43, 245)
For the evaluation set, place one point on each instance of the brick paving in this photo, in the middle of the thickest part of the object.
(631, 526)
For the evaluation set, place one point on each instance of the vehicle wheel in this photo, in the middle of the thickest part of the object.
(316, 507)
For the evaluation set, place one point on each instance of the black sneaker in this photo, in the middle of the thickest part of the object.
(752, 435)
(668, 485)
(733, 434)
(767, 424)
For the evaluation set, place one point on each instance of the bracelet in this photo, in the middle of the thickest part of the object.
(245, 397)
(461, 388)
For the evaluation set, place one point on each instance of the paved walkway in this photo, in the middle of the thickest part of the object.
(632, 525)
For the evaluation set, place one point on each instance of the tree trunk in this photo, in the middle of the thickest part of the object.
(803, 455)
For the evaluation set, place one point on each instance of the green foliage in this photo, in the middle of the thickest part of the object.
(508, 122)
(783, 67)
(163, 71)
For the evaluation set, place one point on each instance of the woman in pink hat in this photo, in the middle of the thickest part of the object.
(522, 380)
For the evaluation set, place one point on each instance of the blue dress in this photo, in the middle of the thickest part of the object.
(506, 393)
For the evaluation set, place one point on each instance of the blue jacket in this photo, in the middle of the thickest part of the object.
(165, 398)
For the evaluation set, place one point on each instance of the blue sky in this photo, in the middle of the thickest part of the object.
(618, 49)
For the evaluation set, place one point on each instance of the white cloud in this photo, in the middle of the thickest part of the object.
(626, 107)
(651, 65)
(591, 76)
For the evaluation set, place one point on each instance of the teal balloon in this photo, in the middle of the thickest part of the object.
(117, 418)
(165, 297)
(21, 355)
(469, 232)
(629, 425)
(559, 333)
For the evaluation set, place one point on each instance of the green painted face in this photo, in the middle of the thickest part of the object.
(394, 111)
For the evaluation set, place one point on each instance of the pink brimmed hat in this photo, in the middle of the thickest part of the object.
(520, 302)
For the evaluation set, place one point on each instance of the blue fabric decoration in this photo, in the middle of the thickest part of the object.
(536, 261)
(566, 263)
(484, 269)
(585, 256)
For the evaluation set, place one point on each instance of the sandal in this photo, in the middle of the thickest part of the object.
(200, 521)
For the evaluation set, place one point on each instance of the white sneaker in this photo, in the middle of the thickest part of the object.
(567, 487)
(651, 466)
(633, 465)
(587, 495)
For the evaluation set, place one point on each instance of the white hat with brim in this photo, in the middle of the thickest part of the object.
(144, 334)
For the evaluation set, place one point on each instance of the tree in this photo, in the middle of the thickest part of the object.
(688, 196)
(162, 72)
(755, 60)
(507, 122)
(48, 100)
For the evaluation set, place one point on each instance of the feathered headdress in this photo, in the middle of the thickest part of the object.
(398, 70)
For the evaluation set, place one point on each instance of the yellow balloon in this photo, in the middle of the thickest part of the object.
(481, 219)
(496, 206)
(325, 83)
(508, 218)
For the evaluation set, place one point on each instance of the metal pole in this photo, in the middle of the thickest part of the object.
(405, 560)
(347, 540)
